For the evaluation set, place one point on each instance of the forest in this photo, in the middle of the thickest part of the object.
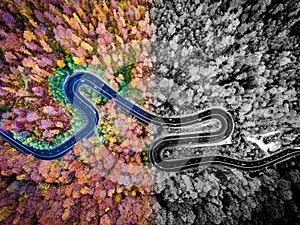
(172, 58)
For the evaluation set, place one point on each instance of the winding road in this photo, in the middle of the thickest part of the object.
(91, 115)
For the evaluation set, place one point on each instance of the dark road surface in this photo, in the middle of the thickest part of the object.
(91, 115)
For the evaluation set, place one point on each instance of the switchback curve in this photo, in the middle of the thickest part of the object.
(91, 115)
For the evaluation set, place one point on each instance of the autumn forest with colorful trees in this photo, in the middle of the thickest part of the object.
(171, 58)
(103, 180)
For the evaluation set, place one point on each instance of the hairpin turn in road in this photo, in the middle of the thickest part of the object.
(91, 116)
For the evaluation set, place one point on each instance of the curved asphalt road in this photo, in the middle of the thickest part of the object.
(91, 115)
